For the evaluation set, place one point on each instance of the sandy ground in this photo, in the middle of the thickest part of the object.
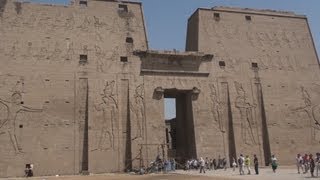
(266, 173)
(283, 173)
(170, 176)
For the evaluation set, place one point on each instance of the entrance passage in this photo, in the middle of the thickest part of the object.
(180, 129)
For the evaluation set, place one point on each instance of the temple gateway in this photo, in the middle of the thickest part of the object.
(80, 90)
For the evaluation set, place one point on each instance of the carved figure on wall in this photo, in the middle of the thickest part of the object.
(14, 107)
(246, 113)
(216, 107)
(69, 22)
(56, 52)
(43, 54)
(85, 24)
(109, 108)
(139, 111)
(70, 51)
(100, 58)
(13, 50)
(97, 22)
(312, 110)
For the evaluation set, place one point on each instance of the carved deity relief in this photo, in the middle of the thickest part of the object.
(100, 58)
(14, 107)
(56, 52)
(43, 54)
(246, 113)
(70, 22)
(29, 52)
(13, 50)
(216, 108)
(97, 22)
(313, 111)
(30, 21)
(85, 24)
(138, 108)
(109, 109)
(70, 51)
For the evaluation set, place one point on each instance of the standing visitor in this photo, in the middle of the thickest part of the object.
(214, 164)
(241, 164)
(247, 163)
(312, 165)
(234, 164)
(318, 163)
(274, 163)
(173, 164)
(299, 162)
(256, 164)
(202, 164)
(306, 163)
(211, 164)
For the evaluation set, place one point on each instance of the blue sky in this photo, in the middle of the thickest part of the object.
(166, 20)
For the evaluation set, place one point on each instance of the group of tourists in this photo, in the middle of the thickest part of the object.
(308, 162)
(160, 165)
(305, 163)
(207, 164)
(244, 163)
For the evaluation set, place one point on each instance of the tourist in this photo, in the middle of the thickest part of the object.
(202, 165)
(214, 164)
(219, 162)
(234, 164)
(207, 163)
(318, 163)
(299, 162)
(256, 164)
(195, 164)
(306, 163)
(173, 164)
(211, 164)
(274, 163)
(188, 165)
(224, 163)
(247, 163)
(241, 164)
(312, 165)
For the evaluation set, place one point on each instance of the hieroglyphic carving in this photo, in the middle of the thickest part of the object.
(109, 108)
(29, 52)
(43, 54)
(216, 107)
(85, 24)
(13, 50)
(246, 113)
(139, 111)
(312, 109)
(56, 52)
(100, 58)
(70, 22)
(70, 51)
(14, 107)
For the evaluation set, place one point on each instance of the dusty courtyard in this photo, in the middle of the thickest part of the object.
(265, 174)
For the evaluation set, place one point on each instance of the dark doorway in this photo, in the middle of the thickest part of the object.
(180, 136)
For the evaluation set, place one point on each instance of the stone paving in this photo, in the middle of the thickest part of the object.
(266, 173)
(283, 173)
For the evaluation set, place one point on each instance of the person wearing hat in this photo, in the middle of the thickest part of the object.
(312, 165)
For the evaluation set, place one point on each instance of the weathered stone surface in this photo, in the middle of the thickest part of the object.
(80, 91)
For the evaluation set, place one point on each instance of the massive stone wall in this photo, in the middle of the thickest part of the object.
(59, 111)
(80, 91)
(272, 72)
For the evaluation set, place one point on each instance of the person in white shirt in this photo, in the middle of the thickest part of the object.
(202, 165)
(299, 162)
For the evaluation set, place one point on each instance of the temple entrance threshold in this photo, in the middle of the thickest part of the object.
(180, 130)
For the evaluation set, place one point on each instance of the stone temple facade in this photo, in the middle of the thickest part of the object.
(80, 91)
